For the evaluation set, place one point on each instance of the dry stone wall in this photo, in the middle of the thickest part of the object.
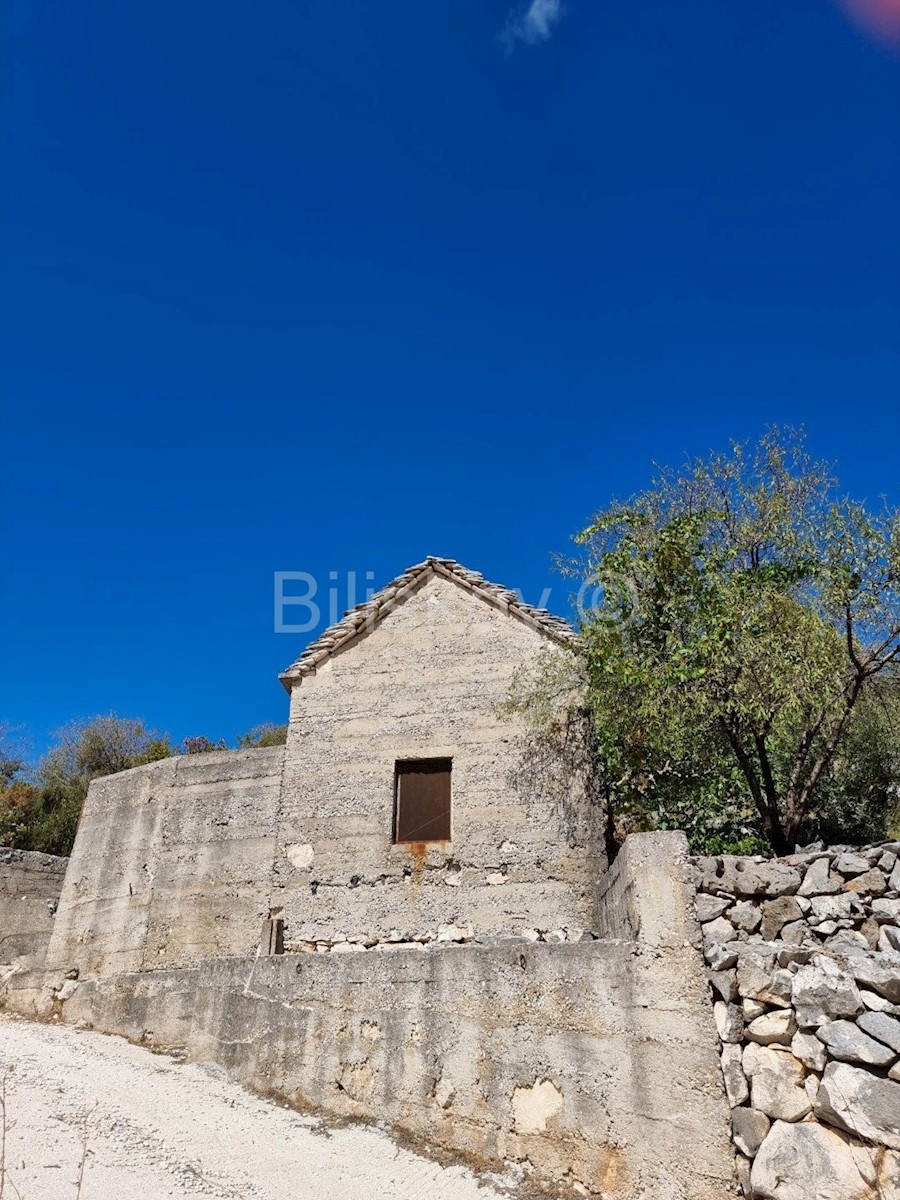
(804, 962)
(30, 885)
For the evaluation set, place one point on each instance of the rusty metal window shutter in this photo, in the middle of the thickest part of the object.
(422, 800)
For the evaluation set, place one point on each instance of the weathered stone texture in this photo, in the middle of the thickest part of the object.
(30, 885)
(862, 1103)
(810, 1162)
(817, 971)
(581, 1060)
(427, 682)
(172, 864)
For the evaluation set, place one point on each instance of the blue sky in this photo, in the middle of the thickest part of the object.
(330, 286)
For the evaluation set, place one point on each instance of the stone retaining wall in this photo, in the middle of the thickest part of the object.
(30, 886)
(593, 1066)
(580, 1063)
(804, 963)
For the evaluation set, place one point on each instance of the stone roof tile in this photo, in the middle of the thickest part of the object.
(365, 616)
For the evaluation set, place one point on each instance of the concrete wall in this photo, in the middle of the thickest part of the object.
(30, 885)
(647, 895)
(172, 864)
(594, 1066)
(427, 682)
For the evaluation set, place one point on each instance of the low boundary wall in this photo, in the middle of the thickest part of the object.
(580, 1062)
(804, 957)
(593, 1065)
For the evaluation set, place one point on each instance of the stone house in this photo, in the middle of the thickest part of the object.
(512, 999)
(401, 803)
(401, 779)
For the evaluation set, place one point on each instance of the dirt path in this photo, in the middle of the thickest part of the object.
(148, 1127)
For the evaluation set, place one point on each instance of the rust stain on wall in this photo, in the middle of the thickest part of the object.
(613, 1172)
(418, 853)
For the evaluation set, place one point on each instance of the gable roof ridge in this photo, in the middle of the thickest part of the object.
(366, 615)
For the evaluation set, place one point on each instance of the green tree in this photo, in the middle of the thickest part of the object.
(859, 799)
(11, 764)
(19, 805)
(201, 744)
(52, 821)
(42, 814)
(103, 745)
(743, 628)
(263, 735)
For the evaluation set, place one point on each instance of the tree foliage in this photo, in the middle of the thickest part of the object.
(11, 764)
(40, 807)
(42, 813)
(859, 799)
(103, 745)
(201, 744)
(745, 622)
(741, 633)
(263, 735)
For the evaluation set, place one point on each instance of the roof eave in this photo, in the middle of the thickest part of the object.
(369, 614)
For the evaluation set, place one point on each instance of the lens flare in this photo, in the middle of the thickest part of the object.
(879, 17)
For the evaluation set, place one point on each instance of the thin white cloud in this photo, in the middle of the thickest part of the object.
(532, 24)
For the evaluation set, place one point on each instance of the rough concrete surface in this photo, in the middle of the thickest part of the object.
(149, 1127)
(592, 1065)
(30, 885)
(586, 1064)
(171, 865)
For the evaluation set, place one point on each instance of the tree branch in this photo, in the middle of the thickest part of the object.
(882, 663)
(831, 742)
(768, 809)
(848, 627)
(873, 656)
(766, 768)
(809, 736)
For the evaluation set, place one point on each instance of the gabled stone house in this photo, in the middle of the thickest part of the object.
(402, 802)
(401, 779)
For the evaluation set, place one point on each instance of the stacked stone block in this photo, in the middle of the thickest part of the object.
(804, 963)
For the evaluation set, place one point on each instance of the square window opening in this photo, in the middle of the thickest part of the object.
(422, 800)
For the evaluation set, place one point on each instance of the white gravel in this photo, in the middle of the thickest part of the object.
(147, 1127)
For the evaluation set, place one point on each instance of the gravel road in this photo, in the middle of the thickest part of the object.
(147, 1127)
